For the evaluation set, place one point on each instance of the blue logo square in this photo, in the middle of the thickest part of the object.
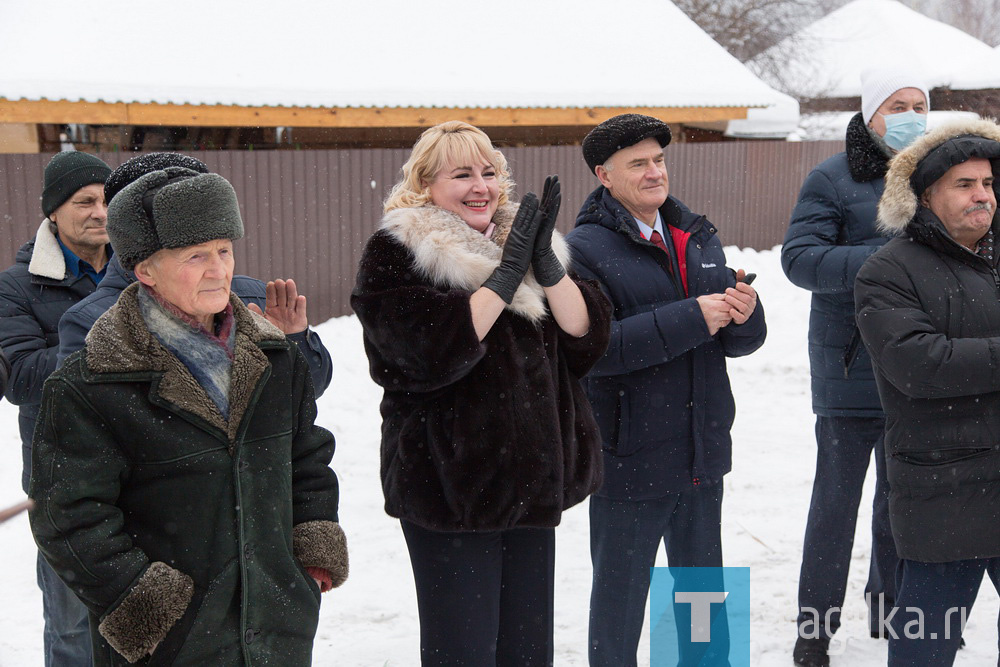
(699, 617)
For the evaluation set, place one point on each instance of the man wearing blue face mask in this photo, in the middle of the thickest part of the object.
(832, 232)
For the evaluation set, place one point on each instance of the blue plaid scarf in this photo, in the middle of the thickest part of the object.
(208, 355)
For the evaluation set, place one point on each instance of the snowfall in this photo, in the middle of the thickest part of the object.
(372, 619)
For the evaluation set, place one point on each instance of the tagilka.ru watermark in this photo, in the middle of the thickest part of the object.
(912, 619)
(699, 616)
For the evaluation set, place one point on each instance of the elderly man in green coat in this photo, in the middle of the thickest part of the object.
(182, 488)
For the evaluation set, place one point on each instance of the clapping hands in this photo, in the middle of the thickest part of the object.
(546, 266)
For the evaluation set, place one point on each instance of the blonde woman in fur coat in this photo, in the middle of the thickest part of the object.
(479, 338)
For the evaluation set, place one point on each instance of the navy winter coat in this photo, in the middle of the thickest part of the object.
(78, 320)
(661, 393)
(34, 294)
(831, 234)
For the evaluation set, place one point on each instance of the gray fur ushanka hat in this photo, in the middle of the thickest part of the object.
(171, 208)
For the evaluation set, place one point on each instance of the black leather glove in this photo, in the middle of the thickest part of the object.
(517, 250)
(544, 263)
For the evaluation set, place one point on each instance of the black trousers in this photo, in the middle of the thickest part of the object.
(484, 599)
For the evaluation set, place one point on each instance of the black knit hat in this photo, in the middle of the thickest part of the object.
(620, 132)
(66, 173)
(143, 164)
(171, 208)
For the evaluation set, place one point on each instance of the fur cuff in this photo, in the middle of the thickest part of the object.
(143, 618)
(322, 544)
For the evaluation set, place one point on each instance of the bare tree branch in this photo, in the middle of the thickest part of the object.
(747, 27)
(979, 18)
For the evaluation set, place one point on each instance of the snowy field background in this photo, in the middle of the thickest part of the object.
(372, 619)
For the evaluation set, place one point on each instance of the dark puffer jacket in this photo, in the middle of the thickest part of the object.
(476, 435)
(927, 310)
(661, 393)
(4, 371)
(34, 294)
(831, 234)
(79, 318)
(176, 528)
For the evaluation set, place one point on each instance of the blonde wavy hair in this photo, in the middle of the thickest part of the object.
(451, 142)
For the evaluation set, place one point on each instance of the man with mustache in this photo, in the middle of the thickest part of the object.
(928, 307)
(63, 264)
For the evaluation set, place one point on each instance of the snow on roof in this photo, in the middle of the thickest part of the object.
(826, 58)
(377, 53)
(774, 122)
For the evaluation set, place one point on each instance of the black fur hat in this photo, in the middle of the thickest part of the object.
(171, 208)
(620, 132)
(141, 165)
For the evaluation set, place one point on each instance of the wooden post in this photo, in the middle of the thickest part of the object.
(11, 512)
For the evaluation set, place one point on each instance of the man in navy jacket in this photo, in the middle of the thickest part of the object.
(62, 265)
(831, 234)
(661, 393)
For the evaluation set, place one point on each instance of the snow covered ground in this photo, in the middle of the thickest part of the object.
(372, 620)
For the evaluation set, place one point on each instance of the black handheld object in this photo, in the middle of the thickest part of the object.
(749, 278)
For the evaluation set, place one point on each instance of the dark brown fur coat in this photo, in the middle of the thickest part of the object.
(476, 435)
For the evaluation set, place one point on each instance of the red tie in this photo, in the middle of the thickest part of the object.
(658, 240)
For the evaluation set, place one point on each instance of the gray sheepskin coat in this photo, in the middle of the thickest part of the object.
(177, 528)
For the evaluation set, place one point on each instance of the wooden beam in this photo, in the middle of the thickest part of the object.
(183, 115)
(44, 111)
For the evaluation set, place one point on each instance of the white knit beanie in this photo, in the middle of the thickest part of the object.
(878, 83)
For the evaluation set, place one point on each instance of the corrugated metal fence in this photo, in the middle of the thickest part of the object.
(308, 213)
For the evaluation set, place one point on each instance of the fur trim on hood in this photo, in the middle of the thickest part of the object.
(899, 203)
(47, 259)
(453, 255)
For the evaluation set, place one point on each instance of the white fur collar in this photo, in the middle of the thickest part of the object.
(451, 254)
(47, 259)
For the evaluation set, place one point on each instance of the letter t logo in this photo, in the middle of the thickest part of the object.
(701, 611)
